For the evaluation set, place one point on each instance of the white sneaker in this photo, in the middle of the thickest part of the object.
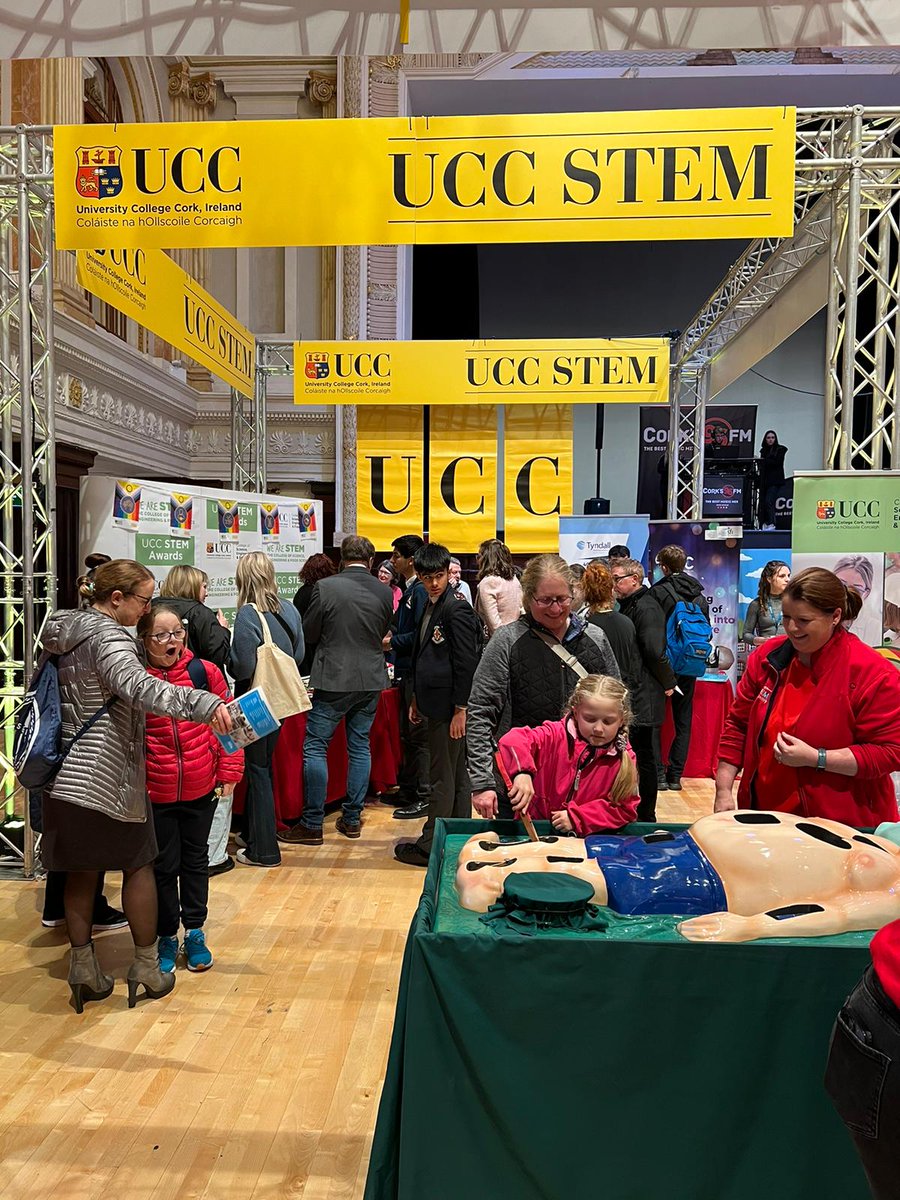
(244, 858)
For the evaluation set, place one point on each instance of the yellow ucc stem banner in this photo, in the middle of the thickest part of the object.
(575, 370)
(390, 475)
(153, 290)
(462, 508)
(537, 474)
(683, 173)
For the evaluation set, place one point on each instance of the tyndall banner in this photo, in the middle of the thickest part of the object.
(836, 511)
(462, 504)
(521, 371)
(153, 290)
(689, 173)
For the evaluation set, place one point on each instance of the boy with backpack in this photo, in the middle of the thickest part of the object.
(688, 646)
(445, 653)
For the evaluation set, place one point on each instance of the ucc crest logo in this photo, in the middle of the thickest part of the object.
(99, 175)
(317, 365)
(825, 510)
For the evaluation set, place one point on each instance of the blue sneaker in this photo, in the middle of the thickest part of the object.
(195, 951)
(168, 952)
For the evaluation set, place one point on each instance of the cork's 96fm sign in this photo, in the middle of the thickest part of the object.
(562, 177)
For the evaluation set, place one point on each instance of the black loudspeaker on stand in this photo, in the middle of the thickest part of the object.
(596, 506)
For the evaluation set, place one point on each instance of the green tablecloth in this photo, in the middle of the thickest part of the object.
(549, 1068)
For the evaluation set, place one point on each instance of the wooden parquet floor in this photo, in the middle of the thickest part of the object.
(258, 1080)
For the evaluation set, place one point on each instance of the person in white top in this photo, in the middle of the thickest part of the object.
(498, 600)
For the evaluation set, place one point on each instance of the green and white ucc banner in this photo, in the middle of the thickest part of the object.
(846, 511)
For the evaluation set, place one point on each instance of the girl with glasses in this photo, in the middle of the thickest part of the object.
(185, 766)
(96, 815)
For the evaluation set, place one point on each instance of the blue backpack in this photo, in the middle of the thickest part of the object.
(688, 639)
(38, 747)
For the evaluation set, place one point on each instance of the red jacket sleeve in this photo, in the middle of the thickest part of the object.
(731, 744)
(229, 767)
(520, 748)
(876, 717)
(593, 816)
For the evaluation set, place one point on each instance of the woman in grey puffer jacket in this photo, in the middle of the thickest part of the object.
(95, 813)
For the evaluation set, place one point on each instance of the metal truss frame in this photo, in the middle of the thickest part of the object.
(27, 443)
(249, 466)
(847, 203)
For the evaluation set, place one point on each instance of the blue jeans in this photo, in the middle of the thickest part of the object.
(357, 710)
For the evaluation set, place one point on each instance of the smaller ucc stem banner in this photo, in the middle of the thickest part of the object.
(462, 510)
(577, 370)
(149, 287)
(537, 448)
(610, 176)
(390, 472)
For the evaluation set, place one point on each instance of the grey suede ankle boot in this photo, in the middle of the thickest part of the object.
(86, 979)
(145, 971)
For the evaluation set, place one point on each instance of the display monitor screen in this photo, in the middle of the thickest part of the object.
(723, 496)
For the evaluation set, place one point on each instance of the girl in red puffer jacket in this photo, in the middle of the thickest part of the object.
(185, 765)
(579, 772)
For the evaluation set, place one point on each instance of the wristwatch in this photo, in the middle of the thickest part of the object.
(820, 764)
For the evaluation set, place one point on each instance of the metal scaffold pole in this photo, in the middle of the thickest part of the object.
(27, 444)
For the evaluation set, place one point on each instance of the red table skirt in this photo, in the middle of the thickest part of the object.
(712, 703)
(384, 740)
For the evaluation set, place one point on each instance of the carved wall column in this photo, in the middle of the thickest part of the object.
(193, 98)
(321, 90)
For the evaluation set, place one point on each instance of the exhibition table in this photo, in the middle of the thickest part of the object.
(626, 1065)
(384, 741)
(712, 704)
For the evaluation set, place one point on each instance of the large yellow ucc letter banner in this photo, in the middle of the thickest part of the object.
(537, 475)
(390, 475)
(462, 509)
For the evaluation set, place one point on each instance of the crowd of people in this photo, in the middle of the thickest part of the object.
(541, 690)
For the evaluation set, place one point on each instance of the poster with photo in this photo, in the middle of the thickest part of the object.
(126, 512)
(866, 573)
(753, 560)
(716, 565)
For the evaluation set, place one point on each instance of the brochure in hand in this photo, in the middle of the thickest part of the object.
(251, 719)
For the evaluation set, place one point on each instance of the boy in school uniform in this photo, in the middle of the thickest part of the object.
(445, 654)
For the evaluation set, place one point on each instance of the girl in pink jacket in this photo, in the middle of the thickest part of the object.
(578, 772)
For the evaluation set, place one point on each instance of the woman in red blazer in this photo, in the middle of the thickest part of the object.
(815, 727)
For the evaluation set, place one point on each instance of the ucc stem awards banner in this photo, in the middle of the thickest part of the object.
(632, 176)
(578, 370)
(462, 506)
(153, 290)
(390, 472)
(537, 475)
(199, 527)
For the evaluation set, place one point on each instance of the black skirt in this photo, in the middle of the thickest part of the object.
(81, 839)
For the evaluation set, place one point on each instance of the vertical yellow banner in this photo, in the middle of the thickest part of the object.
(537, 475)
(390, 476)
(462, 475)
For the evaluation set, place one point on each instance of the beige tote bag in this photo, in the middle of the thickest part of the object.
(279, 677)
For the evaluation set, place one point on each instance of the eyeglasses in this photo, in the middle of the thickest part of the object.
(549, 601)
(161, 638)
(145, 600)
(619, 578)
